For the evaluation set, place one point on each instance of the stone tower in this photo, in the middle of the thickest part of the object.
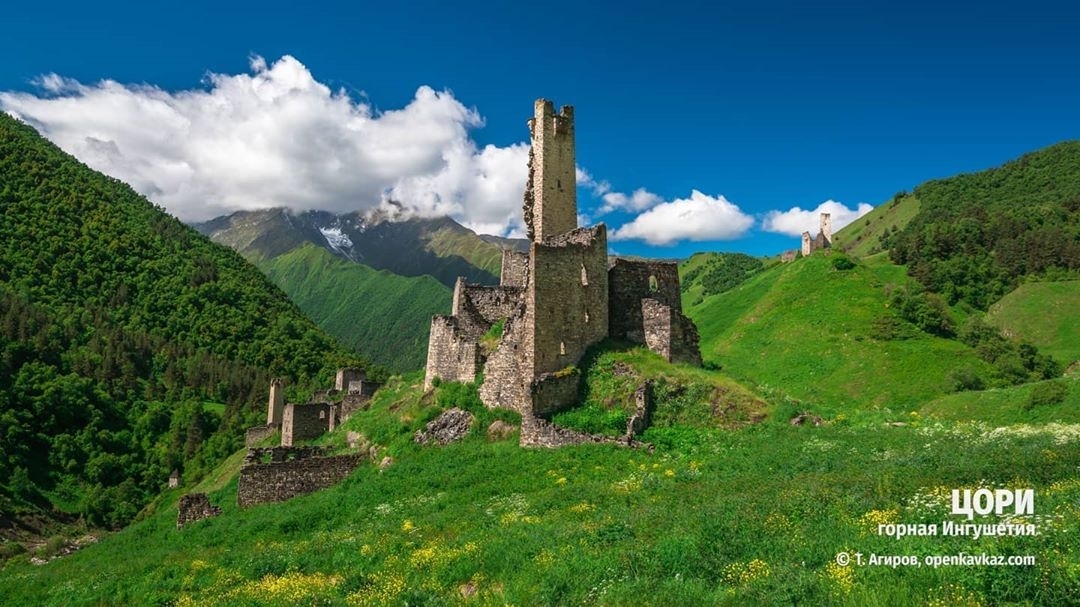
(276, 407)
(551, 193)
(556, 300)
(826, 229)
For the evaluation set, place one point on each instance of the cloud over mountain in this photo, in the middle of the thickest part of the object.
(278, 137)
(795, 220)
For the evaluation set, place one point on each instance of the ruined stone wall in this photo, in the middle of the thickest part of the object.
(551, 192)
(451, 356)
(363, 387)
(515, 268)
(479, 307)
(345, 376)
(631, 281)
(552, 393)
(669, 333)
(538, 432)
(507, 371)
(266, 455)
(806, 244)
(826, 230)
(279, 481)
(304, 422)
(356, 400)
(567, 299)
(194, 507)
(258, 433)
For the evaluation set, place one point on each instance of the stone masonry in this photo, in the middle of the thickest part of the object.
(822, 241)
(194, 507)
(556, 300)
(304, 422)
(289, 473)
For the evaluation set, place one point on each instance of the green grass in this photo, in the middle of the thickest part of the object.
(1013, 405)
(1045, 314)
(685, 394)
(384, 316)
(804, 330)
(862, 237)
(733, 517)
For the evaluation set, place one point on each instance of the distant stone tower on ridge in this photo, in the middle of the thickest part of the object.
(822, 241)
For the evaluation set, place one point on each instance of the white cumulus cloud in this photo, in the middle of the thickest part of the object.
(795, 221)
(278, 137)
(698, 218)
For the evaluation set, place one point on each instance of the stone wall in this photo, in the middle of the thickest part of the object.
(279, 481)
(345, 376)
(567, 299)
(537, 432)
(515, 268)
(451, 356)
(506, 369)
(554, 392)
(478, 307)
(305, 422)
(194, 507)
(363, 387)
(258, 433)
(644, 406)
(631, 281)
(669, 333)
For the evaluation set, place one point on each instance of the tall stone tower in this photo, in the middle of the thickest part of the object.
(276, 407)
(826, 229)
(551, 193)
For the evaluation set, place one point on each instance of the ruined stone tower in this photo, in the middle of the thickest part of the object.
(822, 241)
(557, 299)
(550, 205)
(276, 406)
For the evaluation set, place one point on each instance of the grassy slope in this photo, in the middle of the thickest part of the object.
(1002, 406)
(379, 313)
(802, 328)
(753, 516)
(863, 236)
(1043, 313)
(447, 242)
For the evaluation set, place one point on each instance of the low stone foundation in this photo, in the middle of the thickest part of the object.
(290, 472)
(259, 433)
(538, 432)
(194, 507)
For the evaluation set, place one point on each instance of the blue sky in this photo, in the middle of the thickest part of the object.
(758, 109)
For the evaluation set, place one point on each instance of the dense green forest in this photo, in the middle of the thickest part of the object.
(977, 236)
(130, 345)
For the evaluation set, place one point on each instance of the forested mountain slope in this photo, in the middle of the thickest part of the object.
(118, 324)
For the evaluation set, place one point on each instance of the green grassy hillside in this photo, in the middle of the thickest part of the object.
(1044, 313)
(750, 516)
(818, 334)
(384, 315)
(872, 233)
